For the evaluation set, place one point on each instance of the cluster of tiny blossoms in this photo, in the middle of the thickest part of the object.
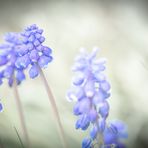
(90, 89)
(21, 51)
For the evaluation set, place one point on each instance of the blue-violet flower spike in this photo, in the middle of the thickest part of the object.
(9, 54)
(38, 54)
(91, 90)
(23, 50)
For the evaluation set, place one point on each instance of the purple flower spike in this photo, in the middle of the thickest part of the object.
(38, 53)
(91, 89)
(9, 54)
(23, 50)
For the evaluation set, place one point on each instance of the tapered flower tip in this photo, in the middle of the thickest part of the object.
(71, 96)
(92, 115)
(105, 86)
(20, 76)
(76, 110)
(119, 127)
(104, 109)
(86, 143)
(83, 106)
(46, 51)
(82, 122)
(93, 132)
(75, 94)
(1, 107)
(44, 60)
(79, 79)
(34, 71)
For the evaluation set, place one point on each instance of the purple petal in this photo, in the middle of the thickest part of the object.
(104, 109)
(93, 132)
(3, 60)
(31, 38)
(30, 46)
(98, 98)
(99, 76)
(79, 79)
(8, 72)
(92, 115)
(36, 43)
(34, 71)
(10, 82)
(21, 50)
(20, 76)
(44, 60)
(22, 62)
(85, 105)
(105, 86)
(86, 143)
(46, 51)
(75, 94)
(41, 39)
(34, 56)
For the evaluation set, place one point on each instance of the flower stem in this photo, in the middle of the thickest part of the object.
(21, 114)
(54, 108)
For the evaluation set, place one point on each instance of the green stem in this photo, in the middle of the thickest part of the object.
(19, 137)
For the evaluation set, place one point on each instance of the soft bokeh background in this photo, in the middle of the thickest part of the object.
(119, 28)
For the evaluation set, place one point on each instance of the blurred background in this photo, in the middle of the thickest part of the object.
(118, 27)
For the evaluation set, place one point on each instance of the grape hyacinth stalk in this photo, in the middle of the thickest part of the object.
(8, 70)
(91, 89)
(38, 57)
(23, 51)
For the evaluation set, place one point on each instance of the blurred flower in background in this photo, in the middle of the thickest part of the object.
(90, 90)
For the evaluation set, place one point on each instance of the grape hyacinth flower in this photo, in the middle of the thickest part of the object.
(91, 90)
(35, 53)
(24, 51)
(38, 56)
(9, 53)
(8, 57)
(21, 50)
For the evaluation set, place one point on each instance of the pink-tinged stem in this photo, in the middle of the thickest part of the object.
(54, 108)
(21, 114)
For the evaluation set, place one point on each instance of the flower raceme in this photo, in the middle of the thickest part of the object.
(23, 50)
(91, 89)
